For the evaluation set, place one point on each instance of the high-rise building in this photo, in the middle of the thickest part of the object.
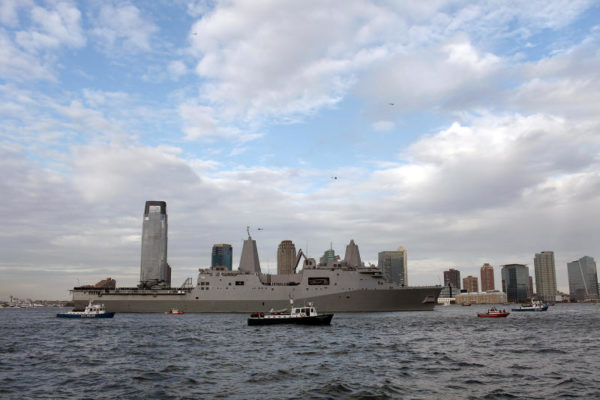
(154, 270)
(545, 276)
(583, 279)
(487, 278)
(393, 265)
(352, 257)
(515, 282)
(470, 284)
(452, 278)
(249, 258)
(286, 257)
(329, 258)
(222, 255)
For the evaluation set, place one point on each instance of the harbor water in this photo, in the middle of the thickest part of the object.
(447, 353)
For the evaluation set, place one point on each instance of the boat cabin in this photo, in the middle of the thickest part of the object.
(306, 311)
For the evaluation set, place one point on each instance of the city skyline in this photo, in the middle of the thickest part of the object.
(464, 132)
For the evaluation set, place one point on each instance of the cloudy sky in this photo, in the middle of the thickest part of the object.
(465, 132)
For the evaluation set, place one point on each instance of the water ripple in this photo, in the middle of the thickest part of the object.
(447, 353)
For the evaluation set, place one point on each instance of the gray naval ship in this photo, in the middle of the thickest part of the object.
(333, 286)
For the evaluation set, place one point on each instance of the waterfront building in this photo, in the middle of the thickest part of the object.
(583, 279)
(470, 284)
(154, 270)
(487, 277)
(352, 256)
(545, 276)
(489, 297)
(393, 265)
(286, 257)
(222, 255)
(452, 278)
(515, 282)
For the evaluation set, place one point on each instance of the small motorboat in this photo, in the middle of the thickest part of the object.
(494, 313)
(533, 306)
(174, 311)
(305, 315)
(91, 311)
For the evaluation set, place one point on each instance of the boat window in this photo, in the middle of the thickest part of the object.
(318, 281)
(239, 283)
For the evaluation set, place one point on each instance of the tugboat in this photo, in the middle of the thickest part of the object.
(494, 313)
(91, 311)
(305, 315)
(174, 311)
(533, 306)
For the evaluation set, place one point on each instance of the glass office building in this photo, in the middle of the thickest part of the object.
(222, 255)
(515, 282)
(393, 265)
(583, 279)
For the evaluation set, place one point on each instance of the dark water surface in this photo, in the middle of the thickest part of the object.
(448, 353)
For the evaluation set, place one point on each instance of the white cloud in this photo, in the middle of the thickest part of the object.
(286, 60)
(18, 65)
(449, 75)
(9, 11)
(260, 66)
(567, 83)
(52, 28)
(201, 122)
(384, 126)
(123, 27)
(177, 69)
(493, 162)
(107, 173)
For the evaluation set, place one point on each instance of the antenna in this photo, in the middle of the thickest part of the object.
(248, 230)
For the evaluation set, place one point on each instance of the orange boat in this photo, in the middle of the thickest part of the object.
(494, 313)
(174, 311)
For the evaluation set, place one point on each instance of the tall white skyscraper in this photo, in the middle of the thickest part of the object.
(154, 270)
(545, 276)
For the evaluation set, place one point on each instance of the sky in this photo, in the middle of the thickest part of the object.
(466, 132)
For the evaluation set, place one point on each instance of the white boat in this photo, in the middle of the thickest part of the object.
(91, 311)
(533, 306)
(305, 315)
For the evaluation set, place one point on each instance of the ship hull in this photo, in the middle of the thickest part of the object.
(322, 319)
(194, 301)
